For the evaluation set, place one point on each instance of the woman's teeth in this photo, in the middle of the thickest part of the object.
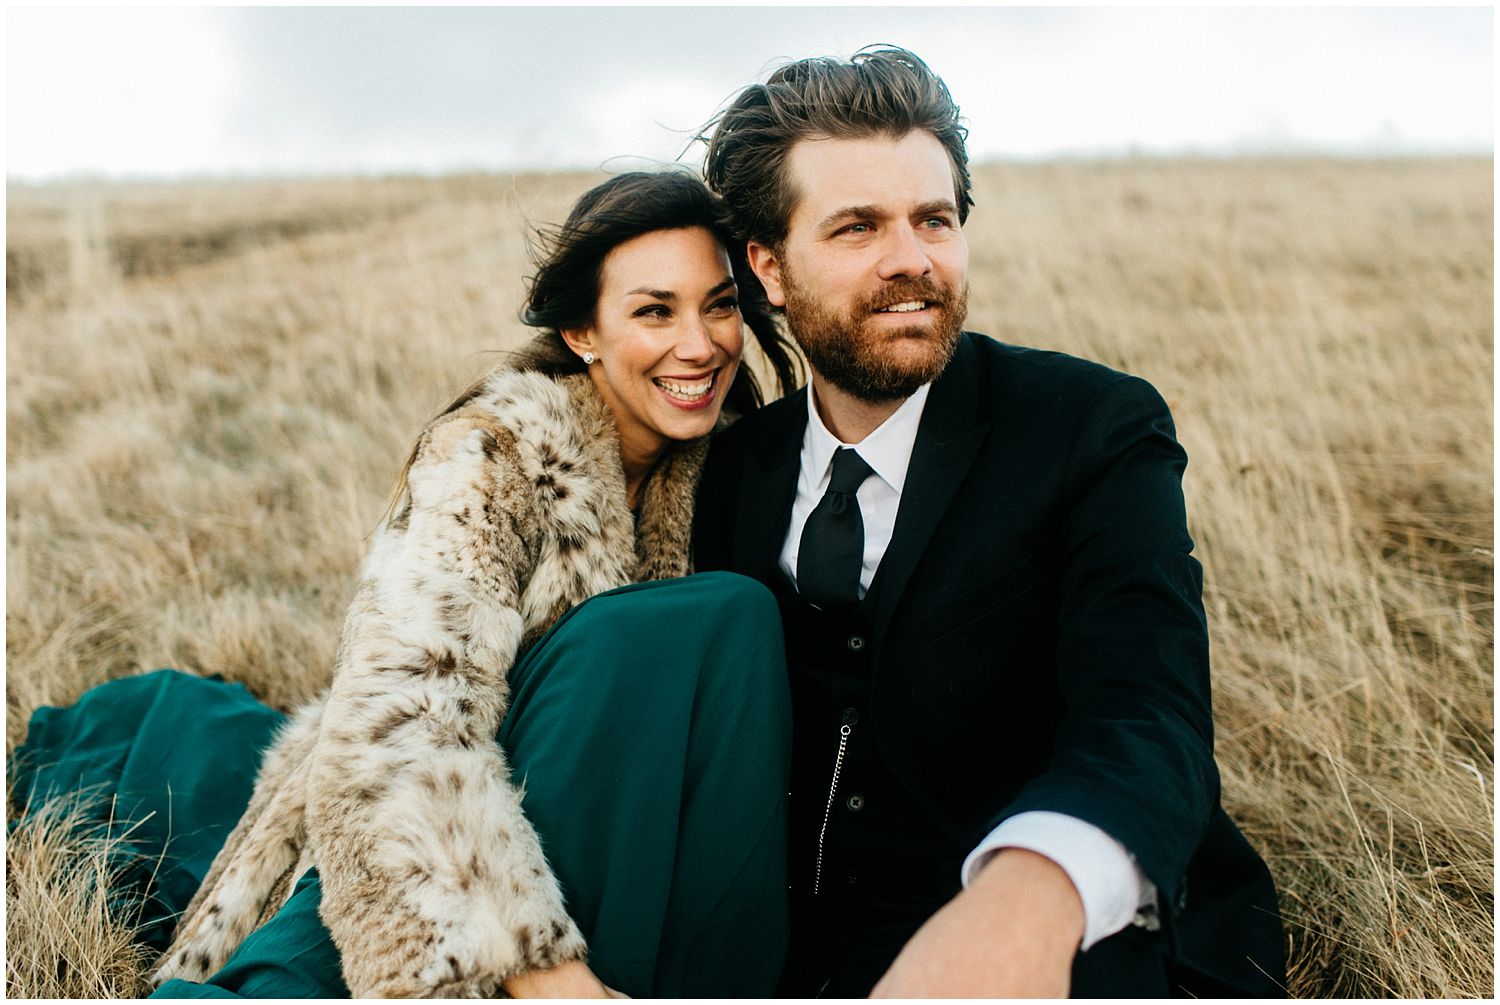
(910, 305)
(686, 390)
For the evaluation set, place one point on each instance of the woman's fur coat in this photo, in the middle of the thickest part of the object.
(393, 785)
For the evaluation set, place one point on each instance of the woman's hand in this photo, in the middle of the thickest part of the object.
(573, 979)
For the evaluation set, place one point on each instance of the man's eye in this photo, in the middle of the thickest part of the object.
(857, 228)
(936, 222)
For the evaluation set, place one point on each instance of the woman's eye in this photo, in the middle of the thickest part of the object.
(726, 306)
(652, 311)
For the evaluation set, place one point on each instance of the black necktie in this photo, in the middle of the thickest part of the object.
(832, 550)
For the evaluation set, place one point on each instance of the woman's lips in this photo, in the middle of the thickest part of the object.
(688, 393)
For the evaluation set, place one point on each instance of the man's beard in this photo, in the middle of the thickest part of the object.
(855, 359)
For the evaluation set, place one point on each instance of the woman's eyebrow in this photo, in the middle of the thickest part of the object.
(669, 295)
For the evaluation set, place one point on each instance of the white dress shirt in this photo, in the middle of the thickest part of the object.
(1113, 889)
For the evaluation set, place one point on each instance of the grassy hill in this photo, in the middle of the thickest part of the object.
(211, 388)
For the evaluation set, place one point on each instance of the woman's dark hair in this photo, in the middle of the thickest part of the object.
(569, 261)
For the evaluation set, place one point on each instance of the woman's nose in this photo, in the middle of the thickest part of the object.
(694, 344)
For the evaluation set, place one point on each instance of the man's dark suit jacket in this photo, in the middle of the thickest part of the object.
(1039, 641)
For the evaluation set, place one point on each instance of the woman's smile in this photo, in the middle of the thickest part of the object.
(688, 393)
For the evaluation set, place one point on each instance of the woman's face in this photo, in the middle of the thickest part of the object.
(666, 336)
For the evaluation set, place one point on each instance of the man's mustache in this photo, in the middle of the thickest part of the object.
(906, 290)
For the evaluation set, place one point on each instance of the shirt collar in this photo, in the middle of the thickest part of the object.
(887, 450)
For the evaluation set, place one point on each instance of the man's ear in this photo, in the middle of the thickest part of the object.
(580, 340)
(766, 265)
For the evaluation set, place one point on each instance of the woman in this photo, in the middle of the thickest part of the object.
(649, 724)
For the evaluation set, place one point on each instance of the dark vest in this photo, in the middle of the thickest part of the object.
(867, 865)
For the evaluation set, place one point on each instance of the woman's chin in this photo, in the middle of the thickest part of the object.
(693, 426)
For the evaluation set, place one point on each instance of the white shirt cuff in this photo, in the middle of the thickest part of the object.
(1114, 890)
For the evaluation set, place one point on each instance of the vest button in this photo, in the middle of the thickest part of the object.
(856, 643)
(850, 717)
(855, 802)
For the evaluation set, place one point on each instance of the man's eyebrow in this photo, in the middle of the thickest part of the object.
(865, 212)
(937, 206)
(849, 212)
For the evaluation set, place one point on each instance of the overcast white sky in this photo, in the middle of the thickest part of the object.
(192, 90)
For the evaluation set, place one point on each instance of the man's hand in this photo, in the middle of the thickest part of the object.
(566, 980)
(1012, 933)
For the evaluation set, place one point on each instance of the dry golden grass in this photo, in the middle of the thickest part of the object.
(211, 389)
(64, 937)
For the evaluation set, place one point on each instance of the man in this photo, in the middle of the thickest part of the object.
(1003, 778)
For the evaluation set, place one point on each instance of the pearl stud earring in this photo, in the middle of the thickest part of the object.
(588, 359)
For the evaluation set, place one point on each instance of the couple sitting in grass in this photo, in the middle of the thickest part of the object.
(894, 685)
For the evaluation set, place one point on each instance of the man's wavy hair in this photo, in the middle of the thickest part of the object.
(881, 91)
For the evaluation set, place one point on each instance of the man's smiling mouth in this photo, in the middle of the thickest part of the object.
(904, 307)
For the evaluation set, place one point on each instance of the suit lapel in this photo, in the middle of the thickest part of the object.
(948, 439)
(768, 487)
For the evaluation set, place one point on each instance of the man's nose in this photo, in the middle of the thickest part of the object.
(903, 254)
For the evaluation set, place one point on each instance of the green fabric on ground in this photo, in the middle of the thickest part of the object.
(171, 758)
(291, 956)
(651, 728)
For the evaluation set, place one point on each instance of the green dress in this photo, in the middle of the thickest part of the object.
(651, 726)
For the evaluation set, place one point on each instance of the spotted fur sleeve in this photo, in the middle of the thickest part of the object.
(434, 883)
